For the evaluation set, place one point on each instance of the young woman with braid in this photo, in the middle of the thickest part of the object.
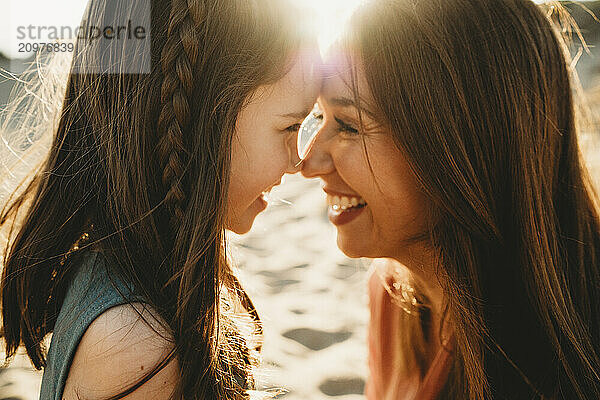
(119, 249)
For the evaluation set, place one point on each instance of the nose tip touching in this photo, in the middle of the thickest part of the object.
(299, 145)
(316, 160)
(307, 138)
(308, 131)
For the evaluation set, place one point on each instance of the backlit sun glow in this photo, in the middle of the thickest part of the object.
(328, 18)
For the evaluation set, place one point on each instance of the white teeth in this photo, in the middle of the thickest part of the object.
(344, 203)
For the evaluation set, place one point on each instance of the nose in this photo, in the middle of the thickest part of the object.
(318, 161)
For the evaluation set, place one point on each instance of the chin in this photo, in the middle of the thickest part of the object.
(354, 247)
(239, 231)
(241, 225)
(240, 228)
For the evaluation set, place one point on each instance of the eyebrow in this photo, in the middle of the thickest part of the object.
(342, 102)
(345, 102)
(296, 115)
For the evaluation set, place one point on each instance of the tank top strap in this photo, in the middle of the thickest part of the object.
(91, 291)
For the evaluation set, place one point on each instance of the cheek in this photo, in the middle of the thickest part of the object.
(352, 166)
(257, 162)
(269, 160)
(238, 174)
(400, 203)
(275, 153)
(383, 178)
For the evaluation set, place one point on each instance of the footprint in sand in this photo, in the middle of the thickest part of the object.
(315, 339)
(277, 281)
(342, 386)
(297, 267)
(345, 271)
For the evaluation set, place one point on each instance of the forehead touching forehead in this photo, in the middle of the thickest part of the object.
(342, 73)
(298, 90)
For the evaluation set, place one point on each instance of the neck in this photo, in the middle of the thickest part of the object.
(421, 263)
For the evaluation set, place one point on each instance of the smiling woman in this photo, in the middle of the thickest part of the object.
(367, 191)
(452, 123)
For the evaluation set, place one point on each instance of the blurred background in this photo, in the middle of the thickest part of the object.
(312, 298)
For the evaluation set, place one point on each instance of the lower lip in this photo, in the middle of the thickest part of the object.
(342, 217)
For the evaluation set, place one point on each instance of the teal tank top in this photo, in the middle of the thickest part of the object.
(90, 293)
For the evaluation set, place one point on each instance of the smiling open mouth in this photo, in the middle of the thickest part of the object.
(344, 203)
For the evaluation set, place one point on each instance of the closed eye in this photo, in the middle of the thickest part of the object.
(344, 127)
(293, 129)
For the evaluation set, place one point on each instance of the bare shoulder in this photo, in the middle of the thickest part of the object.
(116, 350)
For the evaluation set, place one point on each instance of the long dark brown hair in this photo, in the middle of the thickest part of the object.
(478, 96)
(145, 158)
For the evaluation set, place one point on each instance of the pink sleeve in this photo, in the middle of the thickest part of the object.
(374, 383)
(384, 381)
